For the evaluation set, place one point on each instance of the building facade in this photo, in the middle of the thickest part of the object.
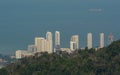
(32, 48)
(101, 40)
(57, 38)
(57, 41)
(89, 40)
(73, 45)
(49, 42)
(75, 40)
(40, 43)
(110, 38)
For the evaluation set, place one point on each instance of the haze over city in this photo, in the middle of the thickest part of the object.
(59, 37)
(21, 21)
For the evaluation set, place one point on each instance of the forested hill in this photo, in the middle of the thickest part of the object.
(105, 61)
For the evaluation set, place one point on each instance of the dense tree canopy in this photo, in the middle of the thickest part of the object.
(105, 61)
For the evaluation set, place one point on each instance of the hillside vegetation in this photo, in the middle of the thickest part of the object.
(105, 61)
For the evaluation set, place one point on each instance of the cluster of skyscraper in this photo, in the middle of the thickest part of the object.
(89, 42)
(45, 44)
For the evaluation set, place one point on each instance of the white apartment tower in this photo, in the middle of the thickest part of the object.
(101, 40)
(110, 38)
(89, 40)
(74, 43)
(49, 42)
(57, 38)
(40, 43)
(57, 41)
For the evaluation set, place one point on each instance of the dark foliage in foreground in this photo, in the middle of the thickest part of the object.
(105, 61)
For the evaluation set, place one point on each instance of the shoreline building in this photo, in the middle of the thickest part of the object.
(57, 38)
(74, 43)
(101, 40)
(49, 42)
(32, 48)
(66, 50)
(40, 43)
(110, 38)
(22, 53)
(57, 41)
(89, 40)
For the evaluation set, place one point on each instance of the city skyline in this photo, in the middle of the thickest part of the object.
(76, 39)
(22, 20)
(56, 36)
(106, 41)
(44, 43)
(47, 44)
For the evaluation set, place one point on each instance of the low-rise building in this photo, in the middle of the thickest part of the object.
(22, 53)
(66, 49)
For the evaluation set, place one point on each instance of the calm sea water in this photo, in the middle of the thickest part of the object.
(22, 20)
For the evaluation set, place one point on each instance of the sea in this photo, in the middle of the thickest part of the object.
(23, 20)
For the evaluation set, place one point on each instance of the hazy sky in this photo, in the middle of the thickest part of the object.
(22, 20)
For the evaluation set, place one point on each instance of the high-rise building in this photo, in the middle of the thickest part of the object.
(57, 41)
(40, 43)
(57, 38)
(49, 42)
(110, 38)
(75, 39)
(89, 40)
(101, 40)
(73, 45)
(37, 43)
